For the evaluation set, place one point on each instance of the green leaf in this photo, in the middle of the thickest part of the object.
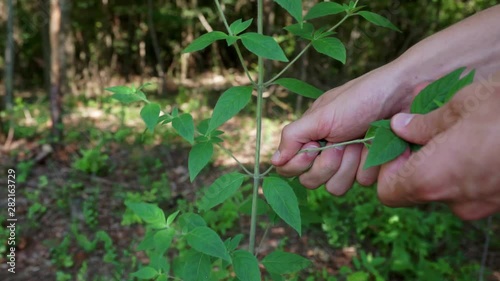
(204, 41)
(162, 277)
(462, 83)
(324, 9)
(199, 156)
(125, 94)
(264, 46)
(223, 188)
(279, 262)
(190, 221)
(150, 213)
(158, 261)
(171, 218)
(165, 119)
(331, 47)
(385, 147)
(184, 125)
(378, 20)
(229, 104)
(304, 30)
(205, 240)
(299, 87)
(438, 90)
(233, 243)
(246, 266)
(384, 123)
(163, 239)
(147, 243)
(150, 114)
(280, 196)
(239, 26)
(197, 267)
(293, 7)
(231, 39)
(145, 273)
(358, 276)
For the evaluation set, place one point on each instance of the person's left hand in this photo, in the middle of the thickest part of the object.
(460, 161)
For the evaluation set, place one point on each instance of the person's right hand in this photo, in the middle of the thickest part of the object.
(341, 114)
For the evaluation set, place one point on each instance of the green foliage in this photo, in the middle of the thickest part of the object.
(93, 161)
(205, 240)
(150, 114)
(322, 9)
(386, 146)
(294, 7)
(378, 20)
(299, 87)
(150, 213)
(279, 262)
(239, 26)
(184, 125)
(264, 46)
(331, 47)
(281, 197)
(223, 188)
(199, 156)
(246, 266)
(229, 104)
(204, 41)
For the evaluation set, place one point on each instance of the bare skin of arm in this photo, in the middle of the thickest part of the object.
(344, 113)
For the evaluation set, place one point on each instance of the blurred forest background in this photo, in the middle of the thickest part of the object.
(79, 155)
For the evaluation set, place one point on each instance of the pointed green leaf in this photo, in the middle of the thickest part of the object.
(197, 267)
(150, 114)
(324, 9)
(125, 94)
(205, 240)
(190, 221)
(150, 213)
(239, 26)
(158, 261)
(304, 30)
(279, 262)
(162, 277)
(246, 266)
(229, 104)
(171, 218)
(199, 156)
(223, 188)
(233, 243)
(147, 243)
(145, 273)
(163, 239)
(462, 83)
(204, 41)
(378, 20)
(385, 147)
(331, 47)
(231, 39)
(246, 207)
(438, 90)
(184, 125)
(299, 87)
(293, 7)
(264, 46)
(280, 196)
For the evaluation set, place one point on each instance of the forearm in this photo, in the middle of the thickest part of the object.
(473, 42)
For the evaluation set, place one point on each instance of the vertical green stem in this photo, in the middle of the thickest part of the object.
(256, 175)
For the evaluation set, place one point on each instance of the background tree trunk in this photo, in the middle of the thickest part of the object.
(9, 63)
(59, 16)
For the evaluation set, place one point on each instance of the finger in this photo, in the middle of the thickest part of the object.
(324, 167)
(420, 177)
(298, 133)
(300, 163)
(369, 176)
(344, 178)
(474, 210)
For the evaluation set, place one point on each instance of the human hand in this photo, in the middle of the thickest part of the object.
(459, 164)
(341, 114)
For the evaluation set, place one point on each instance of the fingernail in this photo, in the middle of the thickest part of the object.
(401, 120)
(276, 157)
(342, 147)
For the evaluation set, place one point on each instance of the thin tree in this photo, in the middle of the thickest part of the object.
(9, 65)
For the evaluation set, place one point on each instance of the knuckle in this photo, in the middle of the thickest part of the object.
(308, 183)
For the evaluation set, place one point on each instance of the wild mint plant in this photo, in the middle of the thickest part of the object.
(206, 248)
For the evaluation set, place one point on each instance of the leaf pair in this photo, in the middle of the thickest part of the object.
(260, 45)
(386, 145)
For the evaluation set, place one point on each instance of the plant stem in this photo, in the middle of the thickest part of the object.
(336, 145)
(256, 175)
(235, 159)
(267, 171)
(238, 51)
(302, 53)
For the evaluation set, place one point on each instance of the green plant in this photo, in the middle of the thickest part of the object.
(207, 249)
(93, 161)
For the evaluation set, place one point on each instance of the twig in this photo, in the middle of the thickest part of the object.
(235, 159)
(335, 145)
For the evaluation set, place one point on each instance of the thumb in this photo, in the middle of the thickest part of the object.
(420, 129)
